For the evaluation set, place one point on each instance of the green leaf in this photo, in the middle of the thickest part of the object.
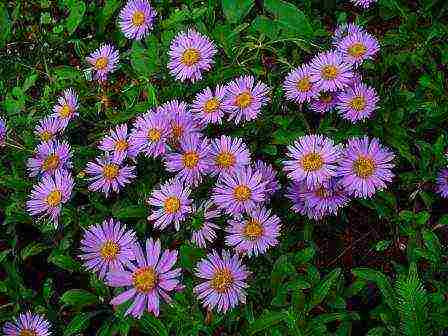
(78, 324)
(236, 10)
(32, 249)
(77, 10)
(67, 73)
(132, 211)
(190, 255)
(145, 61)
(5, 25)
(382, 245)
(320, 292)
(152, 325)
(65, 262)
(267, 320)
(422, 218)
(266, 26)
(109, 8)
(78, 298)
(29, 82)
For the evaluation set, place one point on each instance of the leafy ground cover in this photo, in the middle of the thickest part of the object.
(379, 267)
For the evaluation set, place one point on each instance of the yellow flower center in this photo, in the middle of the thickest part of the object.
(357, 50)
(242, 193)
(253, 229)
(304, 84)
(144, 279)
(364, 166)
(329, 72)
(109, 250)
(101, 63)
(154, 135)
(27, 332)
(54, 198)
(190, 159)
(311, 162)
(172, 204)
(121, 145)
(325, 97)
(65, 111)
(225, 159)
(110, 171)
(138, 18)
(222, 280)
(46, 136)
(177, 131)
(358, 103)
(211, 105)
(51, 162)
(190, 56)
(243, 100)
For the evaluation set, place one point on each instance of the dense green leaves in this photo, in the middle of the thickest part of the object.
(236, 10)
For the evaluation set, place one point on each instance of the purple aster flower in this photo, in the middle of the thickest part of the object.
(314, 160)
(107, 247)
(204, 230)
(48, 128)
(324, 103)
(330, 72)
(180, 120)
(49, 194)
(150, 279)
(255, 234)
(119, 143)
(51, 157)
(3, 130)
(192, 161)
(358, 47)
(104, 60)
(442, 183)
(239, 191)
(245, 98)
(365, 167)
(108, 174)
(208, 106)
(296, 193)
(364, 4)
(190, 54)
(224, 281)
(27, 324)
(67, 107)
(268, 175)
(137, 19)
(344, 30)
(357, 103)
(151, 133)
(172, 204)
(228, 154)
(298, 86)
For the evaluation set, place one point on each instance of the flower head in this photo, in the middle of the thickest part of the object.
(172, 204)
(27, 324)
(224, 281)
(48, 128)
(204, 229)
(67, 107)
(49, 194)
(107, 247)
(137, 19)
(268, 175)
(181, 122)
(255, 233)
(119, 143)
(358, 47)
(296, 193)
(147, 280)
(330, 72)
(3, 130)
(190, 53)
(344, 30)
(324, 102)
(298, 86)
(104, 60)
(357, 103)
(365, 167)
(208, 106)
(228, 154)
(51, 157)
(442, 183)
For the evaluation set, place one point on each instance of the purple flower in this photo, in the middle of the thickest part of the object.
(48, 128)
(49, 194)
(296, 193)
(107, 247)
(208, 106)
(255, 234)
(224, 281)
(314, 160)
(181, 122)
(119, 144)
(344, 30)
(365, 167)
(51, 157)
(3, 130)
(358, 47)
(27, 324)
(172, 204)
(324, 103)
(136, 19)
(109, 174)
(228, 154)
(104, 60)
(245, 98)
(150, 279)
(364, 4)
(204, 230)
(330, 72)
(190, 54)
(298, 86)
(268, 175)
(151, 133)
(67, 107)
(357, 103)
(442, 183)
(239, 191)
(192, 161)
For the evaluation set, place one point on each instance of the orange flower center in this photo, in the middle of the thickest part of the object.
(322, 192)
(177, 131)
(325, 97)
(144, 279)
(51, 162)
(243, 100)
(242, 193)
(46, 136)
(138, 18)
(154, 134)
(101, 63)
(109, 250)
(364, 167)
(190, 159)
(311, 162)
(304, 84)
(54, 198)
(65, 111)
(357, 50)
(222, 280)
(225, 159)
(253, 229)
(172, 204)
(190, 57)
(358, 103)
(27, 332)
(211, 105)
(110, 171)
(121, 145)
(329, 72)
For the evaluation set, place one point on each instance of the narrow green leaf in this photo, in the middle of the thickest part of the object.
(152, 326)
(78, 324)
(5, 25)
(32, 249)
(77, 10)
(78, 298)
(267, 320)
(380, 280)
(320, 292)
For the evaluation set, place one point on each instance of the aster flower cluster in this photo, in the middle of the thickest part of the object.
(332, 79)
(51, 164)
(325, 176)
